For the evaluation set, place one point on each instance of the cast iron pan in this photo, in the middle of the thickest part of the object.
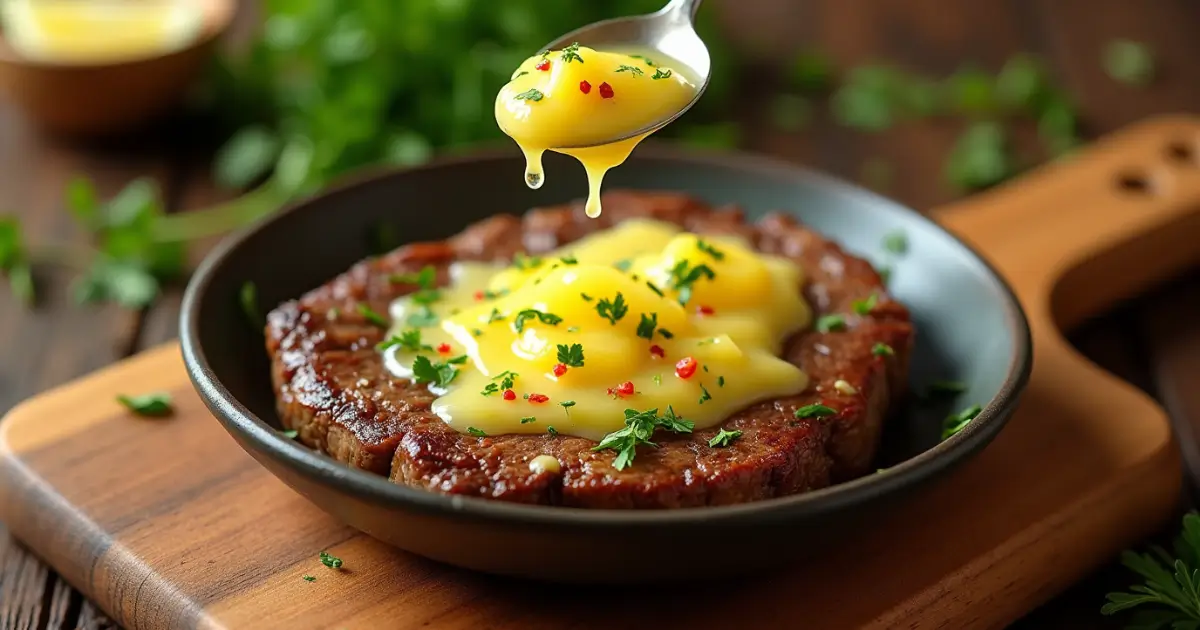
(969, 328)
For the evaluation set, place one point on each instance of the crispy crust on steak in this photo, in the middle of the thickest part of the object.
(332, 388)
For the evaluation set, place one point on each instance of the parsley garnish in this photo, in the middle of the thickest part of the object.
(569, 260)
(646, 327)
(645, 59)
(958, 421)
(586, 297)
(1173, 593)
(704, 395)
(566, 405)
(572, 329)
(551, 430)
(881, 349)
(720, 381)
(549, 319)
(634, 70)
(864, 307)
(476, 432)
(815, 410)
(371, 316)
(830, 323)
(570, 355)
(666, 333)
(528, 419)
(426, 278)
(948, 388)
(331, 561)
(684, 276)
(156, 404)
(612, 311)
(248, 297)
(290, 434)
(658, 379)
(639, 428)
(309, 578)
(440, 374)
(659, 73)
(703, 246)
(477, 332)
(623, 264)
(532, 94)
(495, 316)
(896, 243)
(1129, 62)
(423, 318)
(571, 53)
(525, 262)
(655, 289)
(519, 73)
(724, 438)
(507, 378)
(409, 340)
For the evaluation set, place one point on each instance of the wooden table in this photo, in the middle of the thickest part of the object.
(1153, 342)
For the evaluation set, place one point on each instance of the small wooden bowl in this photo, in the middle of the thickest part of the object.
(80, 99)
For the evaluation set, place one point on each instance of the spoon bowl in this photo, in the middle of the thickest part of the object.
(668, 31)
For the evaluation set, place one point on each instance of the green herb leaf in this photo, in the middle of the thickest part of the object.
(83, 203)
(612, 310)
(567, 404)
(1170, 585)
(525, 262)
(865, 306)
(426, 371)
(551, 430)
(896, 242)
(1022, 84)
(476, 432)
(646, 60)
(528, 419)
(623, 265)
(660, 73)
(815, 410)
(655, 289)
(881, 349)
(980, 157)
(156, 404)
(290, 434)
(571, 53)
(408, 340)
(945, 388)
(246, 157)
(570, 355)
(704, 395)
(309, 578)
(549, 319)
(639, 428)
(831, 323)
(972, 92)
(705, 247)
(532, 94)
(331, 561)
(423, 317)
(646, 327)
(569, 260)
(957, 422)
(720, 381)
(127, 284)
(1129, 62)
(426, 278)
(724, 438)
(633, 70)
(684, 277)
(370, 315)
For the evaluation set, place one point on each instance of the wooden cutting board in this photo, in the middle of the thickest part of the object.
(167, 523)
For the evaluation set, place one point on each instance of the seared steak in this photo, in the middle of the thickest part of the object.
(332, 387)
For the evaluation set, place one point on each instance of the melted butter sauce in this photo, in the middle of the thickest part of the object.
(580, 97)
(732, 326)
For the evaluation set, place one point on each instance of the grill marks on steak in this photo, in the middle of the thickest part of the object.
(333, 389)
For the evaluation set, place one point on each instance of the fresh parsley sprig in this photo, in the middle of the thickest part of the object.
(549, 319)
(571, 356)
(1171, 588)
(441, 373)
(639, 428)
(612, 310)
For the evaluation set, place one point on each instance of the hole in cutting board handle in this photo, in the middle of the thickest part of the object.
(1136, 182)
(1182, 151)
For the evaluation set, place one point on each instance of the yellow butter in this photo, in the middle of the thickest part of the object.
(733, 326)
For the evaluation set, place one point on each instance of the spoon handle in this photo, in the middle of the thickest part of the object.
(683, 8)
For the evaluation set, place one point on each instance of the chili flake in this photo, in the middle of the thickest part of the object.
(624, 389)
(606, 90)
(509, 394)
(658, 351)
(443, 348)
(585, 87)
(537, 398)
(704, 309)
(479, 296)
(560, 369)
(543, 66)
(686, 367)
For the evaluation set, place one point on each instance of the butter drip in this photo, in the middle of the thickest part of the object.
(581, 97)
(733, 325)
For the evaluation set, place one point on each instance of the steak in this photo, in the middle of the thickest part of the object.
(333, 389)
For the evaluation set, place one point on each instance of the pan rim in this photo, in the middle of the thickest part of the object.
(323, 470)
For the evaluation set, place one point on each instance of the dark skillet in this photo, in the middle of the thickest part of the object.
(970, 328)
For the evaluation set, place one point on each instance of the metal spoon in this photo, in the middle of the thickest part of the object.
(668, 31)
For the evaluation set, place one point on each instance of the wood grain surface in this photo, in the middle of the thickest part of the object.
(1148, 341)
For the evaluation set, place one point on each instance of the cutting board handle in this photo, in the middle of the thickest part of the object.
(1096, 227)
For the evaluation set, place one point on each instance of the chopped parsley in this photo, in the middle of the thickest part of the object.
(613, 310)
(724, 438)
(290, 434)
(864, 307)
(658, 379)
(720, 381)
(507, 378)
(666, 333)
(655, 289)
(572, 329)
(945, 388)
(248, 297)
(644, 59)
(623, 264)
(896, 243)
(309, 578)
(440, 374)
(477, 332)
(646, 327)
(570, 355)
(633, 70)
(703, 246)
(659, 73)
(571, 53)
(566, 405)
(496, 316)
(476, 432)
(426, 278)
(704, 395)
(519, 74)
(371, 316)
(423, 318)
(881, 349)
(525, 262)
(532, 94)
(958, 421)
(551, 430)
(409, 340)
(549, 319)
(586, 297)
(639, 428)
(815, 410)
(830, 323)
(528, 419)
(157, 404)
(569, 260)
(684, 276)
(331, 561)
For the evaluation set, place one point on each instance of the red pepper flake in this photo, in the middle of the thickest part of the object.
(479, 296)
(444, 348)
(585, 87)
(509, 394)
(538, 398)
(704, 309)
(686, 367)
(658, 351)
(560, 369)
(606, 90)
(624, 389)
(544, 66)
